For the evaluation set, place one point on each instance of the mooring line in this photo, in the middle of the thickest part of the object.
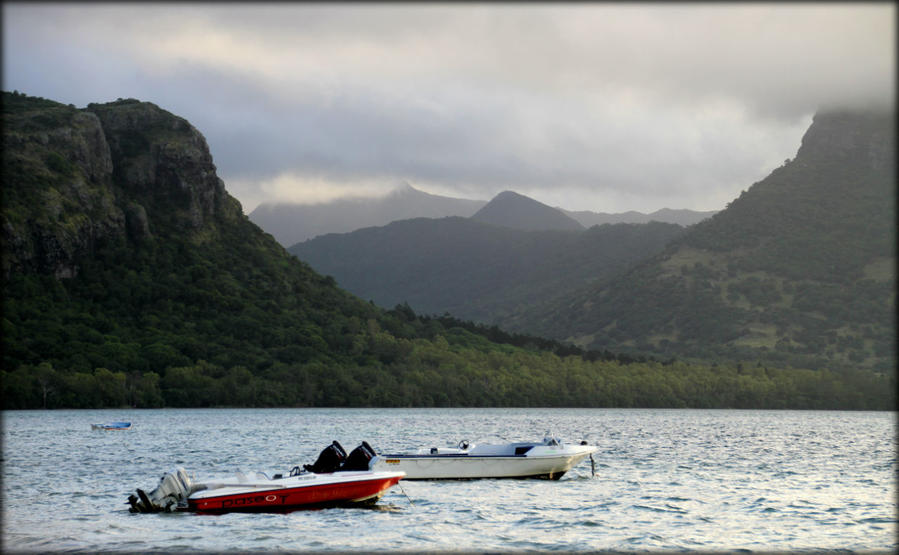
(404, 493)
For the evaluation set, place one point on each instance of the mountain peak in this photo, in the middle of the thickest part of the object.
(516, 211)
(506, 195)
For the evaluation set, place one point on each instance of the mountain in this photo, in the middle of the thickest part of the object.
(130, 273)
(800, 269)
(474, 270)
(132, 278)
(515, 211)
(292, 223)
(666, 215)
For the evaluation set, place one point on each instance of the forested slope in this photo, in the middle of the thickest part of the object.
(800, 269)
(473, 270)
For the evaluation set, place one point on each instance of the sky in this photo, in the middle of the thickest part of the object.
(586, 106)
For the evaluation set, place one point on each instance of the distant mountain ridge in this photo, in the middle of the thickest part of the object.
(291, 223)
(667, 215)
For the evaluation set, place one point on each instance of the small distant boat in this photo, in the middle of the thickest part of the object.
(112, 426)
(334, 479)
(550, 458)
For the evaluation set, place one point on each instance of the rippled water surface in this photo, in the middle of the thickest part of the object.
(666, 480)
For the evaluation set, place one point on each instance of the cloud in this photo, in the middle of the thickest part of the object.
(308, 189)
(621, 105)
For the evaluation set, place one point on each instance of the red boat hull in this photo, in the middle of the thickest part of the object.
(290, 499)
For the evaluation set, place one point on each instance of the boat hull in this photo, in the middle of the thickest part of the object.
(290, 494)
(464, 467)
(112, 426)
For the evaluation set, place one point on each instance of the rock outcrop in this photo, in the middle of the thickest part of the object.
(163, 161)
(860, 137)
(121, 171)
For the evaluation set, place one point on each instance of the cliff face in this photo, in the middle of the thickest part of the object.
(125, 170)
(163, 162)
(865, 139)
(57, 186)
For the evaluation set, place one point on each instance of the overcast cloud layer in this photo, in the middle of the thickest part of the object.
(603, 107)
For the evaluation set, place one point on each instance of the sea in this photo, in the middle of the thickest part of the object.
(663, 480)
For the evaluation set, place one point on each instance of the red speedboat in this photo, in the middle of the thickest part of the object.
(334, 479)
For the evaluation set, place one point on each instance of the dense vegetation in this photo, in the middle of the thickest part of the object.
(167, 325)
(90, 353)
(140, 283)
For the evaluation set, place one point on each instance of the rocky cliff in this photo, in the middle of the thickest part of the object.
(74, 179)
(865, 138)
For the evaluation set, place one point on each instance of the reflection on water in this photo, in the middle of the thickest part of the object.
(665, 480)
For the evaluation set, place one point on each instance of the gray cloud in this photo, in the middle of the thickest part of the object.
(605, 107)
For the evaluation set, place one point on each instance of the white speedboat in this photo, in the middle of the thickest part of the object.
(549, 458)
(335, 479)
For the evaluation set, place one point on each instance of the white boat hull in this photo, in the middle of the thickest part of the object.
(540, 461)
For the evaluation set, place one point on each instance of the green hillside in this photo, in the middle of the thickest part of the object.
(132, 278)
(799, 270)
(473, 270)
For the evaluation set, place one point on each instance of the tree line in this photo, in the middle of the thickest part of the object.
(455, 368)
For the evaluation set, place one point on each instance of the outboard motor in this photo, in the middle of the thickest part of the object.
(172, 491)
(329, 460)
(360, 458)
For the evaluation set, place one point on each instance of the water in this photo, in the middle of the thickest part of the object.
(666, 480)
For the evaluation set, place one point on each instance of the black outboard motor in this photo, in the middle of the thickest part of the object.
(359, 458)
(329, 460)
